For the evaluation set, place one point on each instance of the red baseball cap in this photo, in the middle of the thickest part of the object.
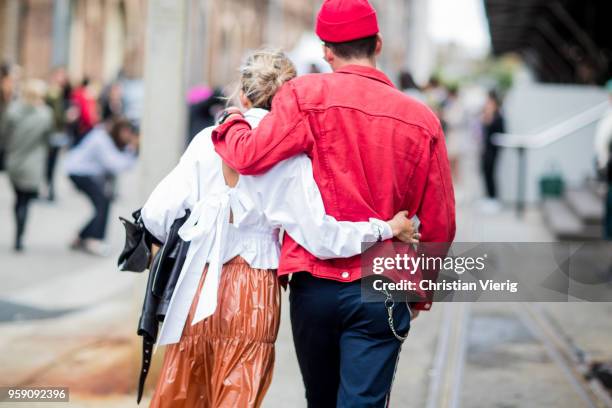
(346, 20)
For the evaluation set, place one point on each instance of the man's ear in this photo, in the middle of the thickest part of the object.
(328, 55)
(379, 44)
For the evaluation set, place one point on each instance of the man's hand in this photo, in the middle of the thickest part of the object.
(403, 228)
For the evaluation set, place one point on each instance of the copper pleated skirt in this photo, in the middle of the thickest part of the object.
(227, 359)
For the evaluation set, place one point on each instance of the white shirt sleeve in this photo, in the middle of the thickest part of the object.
(289, 198)
(174, 194)
(167, 202)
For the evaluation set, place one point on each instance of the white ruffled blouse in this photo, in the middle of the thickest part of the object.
(285, 197)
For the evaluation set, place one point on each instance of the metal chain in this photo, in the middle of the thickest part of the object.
(389, 304)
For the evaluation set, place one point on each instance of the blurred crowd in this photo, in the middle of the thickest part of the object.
(462, 129)
(97, 129)
(89, 123)
(39, 119)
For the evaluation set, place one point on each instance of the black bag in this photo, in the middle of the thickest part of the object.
(163, 276)
(136, 252)
(2, 155)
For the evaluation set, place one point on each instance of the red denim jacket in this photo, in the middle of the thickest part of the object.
(375, 151)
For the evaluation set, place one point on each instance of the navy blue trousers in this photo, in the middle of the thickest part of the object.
(94, 189)
(346, 351)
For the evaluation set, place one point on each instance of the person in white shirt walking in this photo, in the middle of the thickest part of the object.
(107, 150)
(223, 318)
(603, 150)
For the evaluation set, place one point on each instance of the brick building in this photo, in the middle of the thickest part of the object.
(98, 38)
(221, 31)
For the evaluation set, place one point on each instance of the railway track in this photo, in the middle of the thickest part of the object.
(447, 374)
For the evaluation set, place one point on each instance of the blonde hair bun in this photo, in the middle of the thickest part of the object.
(262, 75)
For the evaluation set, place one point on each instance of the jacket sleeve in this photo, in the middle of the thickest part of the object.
(283, 133)
(290, 199)
(437, 207)
(167, 202)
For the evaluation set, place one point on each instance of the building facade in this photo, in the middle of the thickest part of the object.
(91, 38)
(223, 31)
(100, 38)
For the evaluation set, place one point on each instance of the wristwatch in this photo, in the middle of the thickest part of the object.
(226, 114)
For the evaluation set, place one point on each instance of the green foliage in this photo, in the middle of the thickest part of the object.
(495, 73)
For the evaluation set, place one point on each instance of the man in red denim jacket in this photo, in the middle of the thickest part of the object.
(375, 151)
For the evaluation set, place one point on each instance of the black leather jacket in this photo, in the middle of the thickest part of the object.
(163, 276)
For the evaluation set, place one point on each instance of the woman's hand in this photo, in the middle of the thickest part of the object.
(403, 228)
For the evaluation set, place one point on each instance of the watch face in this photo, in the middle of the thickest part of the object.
(221, 116)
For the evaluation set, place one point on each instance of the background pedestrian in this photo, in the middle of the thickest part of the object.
(108, 149)
(492, 122)
(603, 150)
(7, 91)
(85, 110)
(26, 128)
(58, 99)
(112, 103)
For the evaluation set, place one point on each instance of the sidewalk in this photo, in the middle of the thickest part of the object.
(67, 318)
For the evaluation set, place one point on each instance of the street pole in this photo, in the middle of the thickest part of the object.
(164, 115)
(163, 135)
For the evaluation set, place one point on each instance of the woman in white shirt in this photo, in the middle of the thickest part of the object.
(102, 153)
(223, 318)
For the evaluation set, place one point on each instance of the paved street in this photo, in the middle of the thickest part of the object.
(68, 319)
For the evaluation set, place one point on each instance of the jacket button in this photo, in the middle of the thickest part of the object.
(345, 275)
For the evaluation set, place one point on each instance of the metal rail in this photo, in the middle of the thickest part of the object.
(450, 355)
(568, 358)
(546, 137)
(448, 367)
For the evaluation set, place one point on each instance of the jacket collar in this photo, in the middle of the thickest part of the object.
(367, 72)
